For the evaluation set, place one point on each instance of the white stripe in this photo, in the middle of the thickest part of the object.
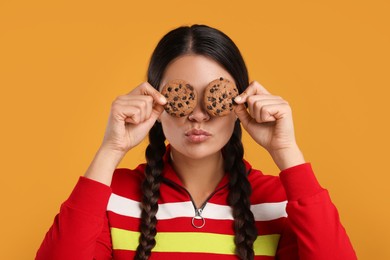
(124, 206)
(131, 208)
(175, 210)
(269, 211)
(215, 211)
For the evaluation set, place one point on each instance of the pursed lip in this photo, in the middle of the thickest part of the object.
(197, 135)
(195, 131)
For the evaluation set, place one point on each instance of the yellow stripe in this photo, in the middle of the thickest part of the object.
(193, 242)
(266, 244)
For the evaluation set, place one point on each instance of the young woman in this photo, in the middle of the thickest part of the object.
(196, 197)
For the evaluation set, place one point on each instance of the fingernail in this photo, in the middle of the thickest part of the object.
(237, 99)
(163, 100)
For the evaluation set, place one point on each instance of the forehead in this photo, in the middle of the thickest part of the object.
(197, 70)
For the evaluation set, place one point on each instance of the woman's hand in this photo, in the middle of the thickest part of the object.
(268, 120)
(131, 117)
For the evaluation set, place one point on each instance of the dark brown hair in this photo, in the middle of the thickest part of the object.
(210, 42)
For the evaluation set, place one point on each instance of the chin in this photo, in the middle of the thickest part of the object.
(197, 151)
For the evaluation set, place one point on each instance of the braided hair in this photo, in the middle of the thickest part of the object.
(238, 198)
(151, 192)
(210, 42)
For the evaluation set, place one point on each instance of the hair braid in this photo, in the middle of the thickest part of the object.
(151, 192)
(238, 198)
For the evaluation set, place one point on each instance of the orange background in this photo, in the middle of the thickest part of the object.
(62, 63)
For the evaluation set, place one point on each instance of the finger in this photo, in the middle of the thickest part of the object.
(256, 104)
(131, 115)
(134, 117)
(148, 123)
(146, 89)
(266, 114)
(141, 108)
(255, 88)
(262, 99)
(144, 103)
(157, 111)
(134, 112)
(243, 115)
(273, 112)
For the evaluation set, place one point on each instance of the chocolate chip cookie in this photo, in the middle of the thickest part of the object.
(181, 98)
(218, 97)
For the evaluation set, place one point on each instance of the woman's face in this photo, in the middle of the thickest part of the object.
(198, 135)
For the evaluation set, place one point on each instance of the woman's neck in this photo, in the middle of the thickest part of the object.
(199, 176)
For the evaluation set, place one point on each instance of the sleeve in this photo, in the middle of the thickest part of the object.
(313, 229)
(80, 230)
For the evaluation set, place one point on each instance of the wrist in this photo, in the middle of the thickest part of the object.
(288, 157)
(113, 155)
(103, 165)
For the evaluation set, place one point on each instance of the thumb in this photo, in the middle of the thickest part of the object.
(146, 89)
(157, 111)
(243, 115)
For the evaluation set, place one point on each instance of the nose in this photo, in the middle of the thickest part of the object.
(199, 114)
